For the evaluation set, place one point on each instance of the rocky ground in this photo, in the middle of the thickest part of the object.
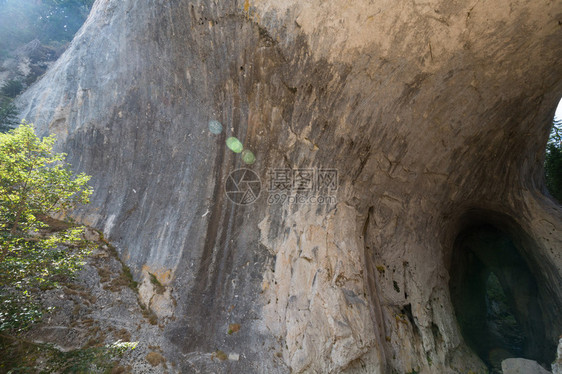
(99, 307)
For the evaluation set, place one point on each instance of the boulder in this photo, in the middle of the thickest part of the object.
(522, 366)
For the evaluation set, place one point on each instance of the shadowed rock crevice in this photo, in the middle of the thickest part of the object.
(496, 296)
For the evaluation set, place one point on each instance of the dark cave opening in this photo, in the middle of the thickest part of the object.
(496, 298)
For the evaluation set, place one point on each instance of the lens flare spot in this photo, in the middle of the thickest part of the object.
(234, 144)
(248, 157)
(215, 127)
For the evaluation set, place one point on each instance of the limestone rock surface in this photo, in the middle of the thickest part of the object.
(522, 366)
(434, 114)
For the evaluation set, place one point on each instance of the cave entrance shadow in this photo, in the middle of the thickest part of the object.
(496, 298)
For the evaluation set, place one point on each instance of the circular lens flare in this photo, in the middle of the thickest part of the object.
(248, 157)
(215, 127)
(234, 144)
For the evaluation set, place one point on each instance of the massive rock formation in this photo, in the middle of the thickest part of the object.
(434, 114)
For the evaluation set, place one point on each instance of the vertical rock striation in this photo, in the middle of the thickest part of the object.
(435, 115)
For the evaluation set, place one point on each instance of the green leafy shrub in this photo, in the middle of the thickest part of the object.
(35, 182)
(39, 253)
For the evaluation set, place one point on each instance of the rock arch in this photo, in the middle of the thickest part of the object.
(426, 111)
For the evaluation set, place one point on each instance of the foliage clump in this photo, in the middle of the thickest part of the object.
(35, 183)
(155, 358)
(159, 288)
(553, 161)
(38, 253)
(12, 88)
(8, 111)
(8, 114)
(21, 356)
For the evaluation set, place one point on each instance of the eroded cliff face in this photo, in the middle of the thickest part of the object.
(434, 115)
